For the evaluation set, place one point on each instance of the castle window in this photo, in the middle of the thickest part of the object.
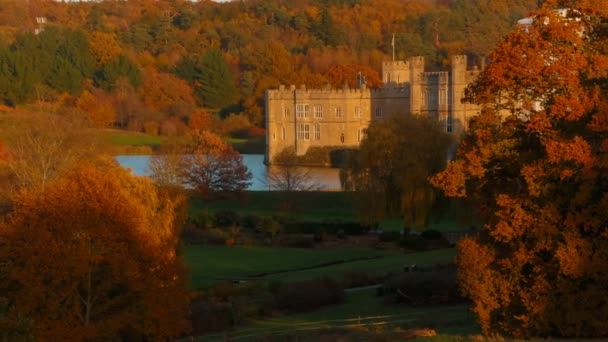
(358, 112)
(302, 110)
(342, 138)
(379, 113)
(283, 133)
(274, 136)
(359, 134)
(285, 112)
(423, 97)
(317, 131)
(338, 112)
(303, 132)
(387, 77)
(318, 111)
(443, 97)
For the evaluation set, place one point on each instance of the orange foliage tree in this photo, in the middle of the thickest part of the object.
(161, 90)
(216, 168)
(92, 257)
(349, 74)
(540, 265)
(99, 111)
(3, 151)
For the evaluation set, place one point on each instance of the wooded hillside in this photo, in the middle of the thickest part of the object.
(147, 65)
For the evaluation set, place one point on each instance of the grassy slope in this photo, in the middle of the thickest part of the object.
(364, 307)
(386, 264)
(315, 206)
(209, 264)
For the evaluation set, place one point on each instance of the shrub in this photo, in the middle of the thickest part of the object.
(225, 218)
(301, 241)
(356, 279)
(214, 236)
(201, 220)
(208, 316)
(151, 127)
(431, 234)
(414, 243)
(425, 287)
(251, 222)
(309, 295)
(270, 227)
(390, 236)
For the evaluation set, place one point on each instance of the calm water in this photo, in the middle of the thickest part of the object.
(326, 178)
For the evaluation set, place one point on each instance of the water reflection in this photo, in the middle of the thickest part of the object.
(326, 178)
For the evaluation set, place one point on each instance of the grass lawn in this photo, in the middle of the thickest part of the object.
(209, 264)
(310, 205)
(388, 263)
(363, 307)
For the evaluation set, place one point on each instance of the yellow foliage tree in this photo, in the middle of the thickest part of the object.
(100, 113)
(92, 256)
(104, 47)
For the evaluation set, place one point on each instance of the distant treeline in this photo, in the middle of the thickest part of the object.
(159, 60)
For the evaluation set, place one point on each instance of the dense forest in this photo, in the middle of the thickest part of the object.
(148, 65)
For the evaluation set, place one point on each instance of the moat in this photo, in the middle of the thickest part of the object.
(327, 178)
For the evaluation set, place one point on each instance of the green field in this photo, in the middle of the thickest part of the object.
(374, 267)
(308, 205)
(317, 206)
(209, 264)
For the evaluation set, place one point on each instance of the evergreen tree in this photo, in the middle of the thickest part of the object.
(119, 67)
(211, 77)
(217, 82)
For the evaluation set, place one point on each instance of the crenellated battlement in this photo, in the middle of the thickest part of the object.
(289, 92)
(459, 60)
(396, 64)
(338, 116)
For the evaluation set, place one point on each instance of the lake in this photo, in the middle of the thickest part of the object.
(326, 178)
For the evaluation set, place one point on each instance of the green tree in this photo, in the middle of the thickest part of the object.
(209, 74)
(120, 67)
(389, 172)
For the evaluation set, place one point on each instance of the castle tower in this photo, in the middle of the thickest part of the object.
(395, 73)
(416, 72)
(461, 112)
(457, 118)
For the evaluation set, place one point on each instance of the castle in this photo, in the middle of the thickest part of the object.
(336, 119)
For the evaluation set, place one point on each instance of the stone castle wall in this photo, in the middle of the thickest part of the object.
(304, 118)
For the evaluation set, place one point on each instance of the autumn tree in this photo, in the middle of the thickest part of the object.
(44, 145)
(99, 111)
(287, 175)
(215, 168)
(161, 90)
(352, 75)
(389, 172)
(92, 257)
(540, 265)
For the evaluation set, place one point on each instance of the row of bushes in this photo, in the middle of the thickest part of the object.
(226, 304)
(229, 218)
(423, 286)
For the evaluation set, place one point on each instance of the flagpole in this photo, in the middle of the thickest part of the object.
(393, 44)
